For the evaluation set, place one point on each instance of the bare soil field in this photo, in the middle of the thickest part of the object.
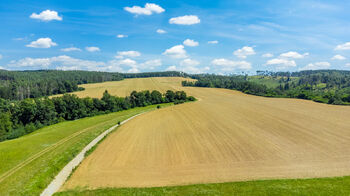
(225, 136)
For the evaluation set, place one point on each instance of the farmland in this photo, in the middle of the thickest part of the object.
(225, 136)
(29, 163)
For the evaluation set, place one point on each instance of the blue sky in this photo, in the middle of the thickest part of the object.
(223, 37)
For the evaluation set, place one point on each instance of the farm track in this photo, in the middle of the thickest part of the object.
(226, 136)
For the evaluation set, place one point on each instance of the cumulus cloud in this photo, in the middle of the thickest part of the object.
(244, 52)
(127, 62)
(133, 70)
(63, 62)
(151, 64)
(130, 53)
(161, 31)
(281, 63)
(42, 43)
(171, 68)
(189, 62)
(46, 15)
(267, 55)
(190, 43)
(185, 20)
(338, 57)
(70, 49)
(190, 66)
(149, 9)
(345, 46)
(318, 65)
(92, 49)
(213, 42)
(229, 65)
(121, 36)
(177, 51)
(294, 55)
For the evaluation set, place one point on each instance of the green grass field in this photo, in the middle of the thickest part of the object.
(29, 163)
(307, 187)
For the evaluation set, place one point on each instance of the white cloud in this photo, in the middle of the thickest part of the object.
(192, 70)
(189, 66)
(133, 70)
(213, 42)
(185, 20)
(130, 53)
(46, 15)
(161, 31)
(92, 49)
(151, 64)
(62, 62)
(189, 62)
(70, 49)
(190, 43)
(281, 63)
(2, 68)
(345, 46)
(244, 52)
(267, 55)
(42, 43)
(318, 65)
(177, 51)
(294, 55)
(338, 57)
(347, 65)
(127, 62)
(121, 36)
(171, 68)
(149, 9)
(228, 65)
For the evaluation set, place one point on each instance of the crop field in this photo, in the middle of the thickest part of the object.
(224, 136)
(29, 163)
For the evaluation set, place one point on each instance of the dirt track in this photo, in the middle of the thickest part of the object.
(226, 136)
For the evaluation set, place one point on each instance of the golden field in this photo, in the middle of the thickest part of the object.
(225, 136)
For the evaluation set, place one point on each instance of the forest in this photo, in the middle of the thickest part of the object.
(19, 85)
(324, 86)
(19, 118)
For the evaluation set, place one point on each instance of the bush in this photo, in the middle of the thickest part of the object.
(191, 98)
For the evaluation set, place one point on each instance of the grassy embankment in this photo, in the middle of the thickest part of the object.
(317, 186)
(28, 164)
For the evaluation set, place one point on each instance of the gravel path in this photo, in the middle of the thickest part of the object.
(61, 177)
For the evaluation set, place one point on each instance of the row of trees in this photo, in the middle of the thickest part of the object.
(325, 86)
(19, 85)
(18, 118)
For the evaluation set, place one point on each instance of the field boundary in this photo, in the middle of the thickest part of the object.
(63, 175)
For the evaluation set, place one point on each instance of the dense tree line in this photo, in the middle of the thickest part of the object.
(155, 74)
(18, 118)
(230, 82)
(19, 85)
(325, 86)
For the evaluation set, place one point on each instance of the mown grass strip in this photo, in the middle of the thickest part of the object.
(307, 187)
